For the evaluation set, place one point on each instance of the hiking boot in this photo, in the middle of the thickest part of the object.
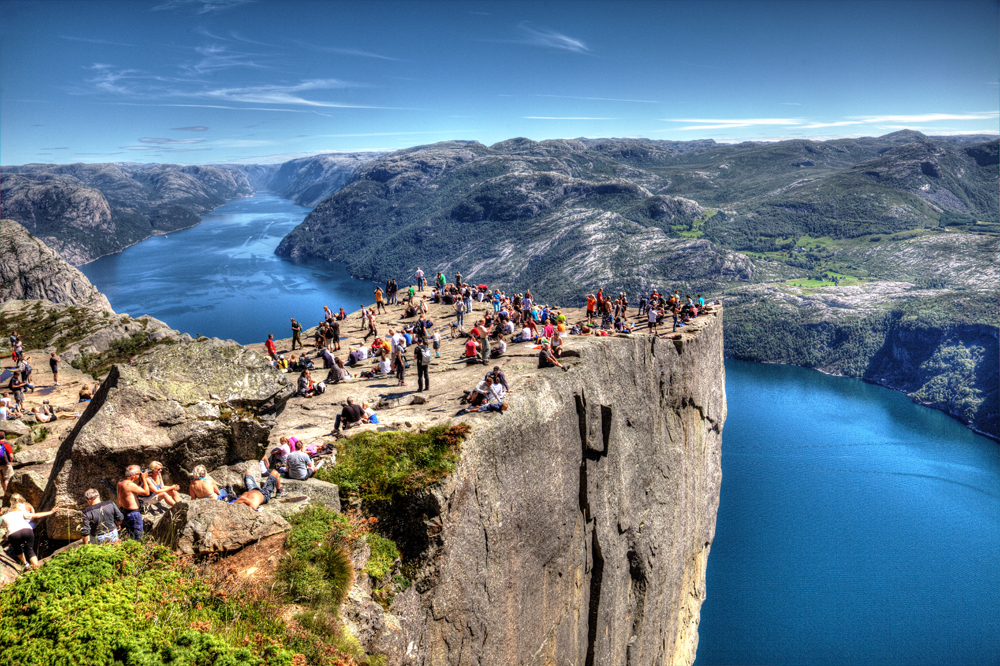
(282, 493)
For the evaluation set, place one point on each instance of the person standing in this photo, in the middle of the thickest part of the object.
(100, 519)
(460, 312)
(296, 333)
(54, 366)
(16, 387)
(379, 304)
(458, 279)
(423, 366)
(484, 342)
(272, 351)
(333, 333)
(129, 492)
(420, 278)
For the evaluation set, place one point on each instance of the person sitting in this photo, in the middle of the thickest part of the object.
(471, 350)
(282, 363)
(257, 496)
(370, 415)
(350, 416)
(274, 461)
(168, 494)
(501, 347)
(525, 335)
(100, 519)
(203, 486)
(305, 385)
(384, 365)
(338, 373)
(557, 345)
(300, 465)
(41, 416)
(327, 359)
(87, 393)
(486, 391)
(546, 359)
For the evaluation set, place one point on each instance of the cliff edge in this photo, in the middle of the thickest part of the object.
(577, 526)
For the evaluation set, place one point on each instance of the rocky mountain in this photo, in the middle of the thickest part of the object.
(309, 180)
(30, 270)
(85, 211)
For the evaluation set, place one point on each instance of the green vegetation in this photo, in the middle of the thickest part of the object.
(387, 465)
(134, 604)
(121, 350)
(384, 555)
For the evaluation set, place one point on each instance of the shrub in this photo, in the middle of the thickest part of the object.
(386, 465)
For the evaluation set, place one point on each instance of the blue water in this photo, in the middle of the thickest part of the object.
(854, 528)
(222, 279)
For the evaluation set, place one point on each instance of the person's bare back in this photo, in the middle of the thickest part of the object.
(127, 491)
(252, 498)
(200, 488)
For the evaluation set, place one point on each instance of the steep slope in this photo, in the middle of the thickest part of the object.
(30, 270)
(309, 180)
(89, 210)
(548, 215)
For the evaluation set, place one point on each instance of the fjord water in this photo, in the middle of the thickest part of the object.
(854, 527)
(222, 279)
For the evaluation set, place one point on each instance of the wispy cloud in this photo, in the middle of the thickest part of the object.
(216, 57)
(147, 139)
(343, 51)
(717, 124)
(93, 41)
(202, 6)
(196, 128)
(602, 99)
(566, 118)
(285, 94)
(931, 117)
(552, 40)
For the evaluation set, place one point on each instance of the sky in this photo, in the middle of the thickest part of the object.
(260, 81)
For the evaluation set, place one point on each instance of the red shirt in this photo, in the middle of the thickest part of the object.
(471, 347)
(269, 345)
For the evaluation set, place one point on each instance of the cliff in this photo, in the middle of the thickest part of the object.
(30, 270)
(577, 526)
(85, 211)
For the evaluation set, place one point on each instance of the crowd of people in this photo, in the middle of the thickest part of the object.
(499, 320)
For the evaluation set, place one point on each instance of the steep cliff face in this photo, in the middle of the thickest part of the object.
(30, 270)
(577, 527)
(309, 180)
(85, 211)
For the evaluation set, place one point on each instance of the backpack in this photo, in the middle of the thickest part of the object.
(424, 354)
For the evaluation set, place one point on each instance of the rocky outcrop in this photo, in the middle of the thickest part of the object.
(30, 270)
(85, 211)
(208, 402)
(199, 527)
(578, 524)
(309, 180)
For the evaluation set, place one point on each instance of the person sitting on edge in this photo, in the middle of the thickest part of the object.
(350, 416)
(100, 519)
(168, 494)
(546, 359)
(203, 487)
(129, 492)
(255, 496)
(300, 465)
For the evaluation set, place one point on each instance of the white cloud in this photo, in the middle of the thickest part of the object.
(167, 141)
(202, 6)
(598, 99)
(196, 128)
(565, 118)
(553, 40)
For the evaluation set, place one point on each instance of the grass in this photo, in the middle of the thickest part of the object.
(386, 465)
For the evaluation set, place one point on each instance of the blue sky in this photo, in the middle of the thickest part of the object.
(212, 81)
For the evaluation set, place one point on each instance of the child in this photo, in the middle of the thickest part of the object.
(436, 342)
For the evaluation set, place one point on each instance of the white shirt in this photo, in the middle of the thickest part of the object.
(397, 340)
(362, 353)
(502, 346)
(15, 520)
(652, 315)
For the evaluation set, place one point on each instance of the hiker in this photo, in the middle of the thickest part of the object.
(156, 481)
(6, 458)
(546, 359)
(399, 363)
(25, 367)
(338, 373)
(54, 367)
(420, 278)
(272, 351)
(483, 333)
(20, 535)
(379, 304)
(333, 335)
(460, 312)
(16, 387)
(423, 357)
(255, 496)
(203, 486)
(300, 465)
(349, 417)
(102, 519)
(129, 492)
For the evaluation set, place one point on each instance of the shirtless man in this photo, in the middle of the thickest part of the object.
(128, 498)
(255, 496)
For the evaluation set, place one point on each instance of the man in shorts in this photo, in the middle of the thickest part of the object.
(255, 496)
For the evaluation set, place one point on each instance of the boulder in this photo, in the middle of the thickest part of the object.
(209, 403)
(29, 484)
(15, 427)
(209, 526)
